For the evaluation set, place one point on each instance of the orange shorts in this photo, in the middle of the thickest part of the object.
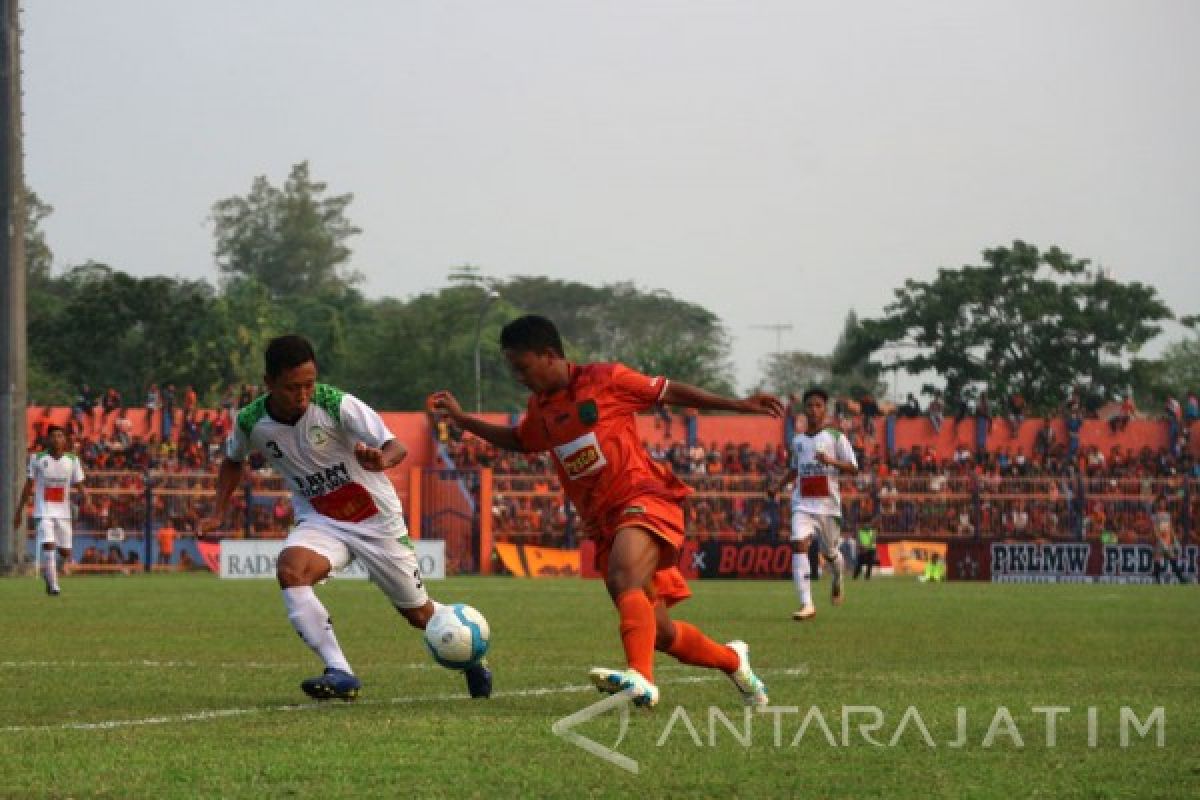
(663, 519)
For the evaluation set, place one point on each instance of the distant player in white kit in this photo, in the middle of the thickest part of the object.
(51, 475)
(332, 450)
(819, 456)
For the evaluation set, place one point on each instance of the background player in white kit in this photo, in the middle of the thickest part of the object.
(332, 450)
(818, 457)
(51, 475)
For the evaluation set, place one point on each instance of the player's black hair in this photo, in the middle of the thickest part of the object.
(288, 351)
(531, 333)
(50, 431)
(816, 391)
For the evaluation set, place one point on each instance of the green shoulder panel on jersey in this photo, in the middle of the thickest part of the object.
(330, 399)
(835, 431)
(249, 416)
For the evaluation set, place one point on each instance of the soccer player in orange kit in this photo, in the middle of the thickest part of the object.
(584, 415)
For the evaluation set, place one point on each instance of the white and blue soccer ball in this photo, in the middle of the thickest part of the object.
(457, 636)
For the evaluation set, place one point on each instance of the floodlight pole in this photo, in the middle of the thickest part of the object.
(12, 291)
(488, 298)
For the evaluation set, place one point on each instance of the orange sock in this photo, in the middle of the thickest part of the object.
(693, 647)
(637, 631)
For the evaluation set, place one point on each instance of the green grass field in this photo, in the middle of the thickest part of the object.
(186, 686)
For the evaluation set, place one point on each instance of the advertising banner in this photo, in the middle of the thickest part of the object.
(531, 561)
(1058, 562)
(255, 558)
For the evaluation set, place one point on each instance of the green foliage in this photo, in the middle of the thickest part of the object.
(291, 240)
(651, 331)
(1024, 321)
(38, 256)
(1027, 321)
(111, 329)
(839, 373)
(1180, 368)
(402, 351)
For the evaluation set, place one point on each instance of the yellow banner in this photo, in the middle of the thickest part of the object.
(909, 557)
(530, 561)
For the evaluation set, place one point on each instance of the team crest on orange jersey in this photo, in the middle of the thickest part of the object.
(581, 457)
(589, 413)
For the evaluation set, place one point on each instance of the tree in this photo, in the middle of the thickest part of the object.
(793, 372)
(650, 330)
(1179, 368)
(117, 330)
(38, 257)
(1027, 321)
(399, 352)
(291, 240)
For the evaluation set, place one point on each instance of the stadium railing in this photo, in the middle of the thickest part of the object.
(124, 509)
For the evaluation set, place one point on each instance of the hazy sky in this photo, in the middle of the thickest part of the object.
(774, 162)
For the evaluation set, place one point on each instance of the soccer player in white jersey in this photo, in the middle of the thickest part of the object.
(332, 450)
(51, 475)
(819, 456)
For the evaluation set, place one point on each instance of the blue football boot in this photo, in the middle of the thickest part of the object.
(479, 679)
(333, 684)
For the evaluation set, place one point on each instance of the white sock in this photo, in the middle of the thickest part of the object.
(310, 619)
(801, 576)
(50, 568)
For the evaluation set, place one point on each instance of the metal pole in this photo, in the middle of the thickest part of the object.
(491, 295)
(12, 291)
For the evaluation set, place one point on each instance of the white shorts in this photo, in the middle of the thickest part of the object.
(827, 529)
(54, 531)
(390, 562)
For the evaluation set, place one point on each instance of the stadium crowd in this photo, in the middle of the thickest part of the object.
(1060, 487)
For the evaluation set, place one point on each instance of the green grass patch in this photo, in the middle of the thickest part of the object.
(185, 686)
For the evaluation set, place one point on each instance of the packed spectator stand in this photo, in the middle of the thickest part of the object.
(1073, 477)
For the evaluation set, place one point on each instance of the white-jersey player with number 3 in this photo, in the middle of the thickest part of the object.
(331, 450)
(51, 475)
(819, 456)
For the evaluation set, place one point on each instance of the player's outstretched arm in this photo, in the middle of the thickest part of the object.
(684, 394)
(22, 502)
(499, 435)
(228, 477)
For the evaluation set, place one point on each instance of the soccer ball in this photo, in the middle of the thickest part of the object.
(457, 636)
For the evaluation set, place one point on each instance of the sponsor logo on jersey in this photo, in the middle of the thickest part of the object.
(581, 457)
(318, 483)
(348, 503)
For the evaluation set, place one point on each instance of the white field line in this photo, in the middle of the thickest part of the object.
(421, 665)
(203, 716)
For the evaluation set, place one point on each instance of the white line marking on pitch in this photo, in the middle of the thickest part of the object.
(202, 716)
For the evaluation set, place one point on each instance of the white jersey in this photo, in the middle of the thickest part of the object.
(52, 481)
(816, 489)
(315, 456)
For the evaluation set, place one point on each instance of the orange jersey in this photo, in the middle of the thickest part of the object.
(590, 430)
